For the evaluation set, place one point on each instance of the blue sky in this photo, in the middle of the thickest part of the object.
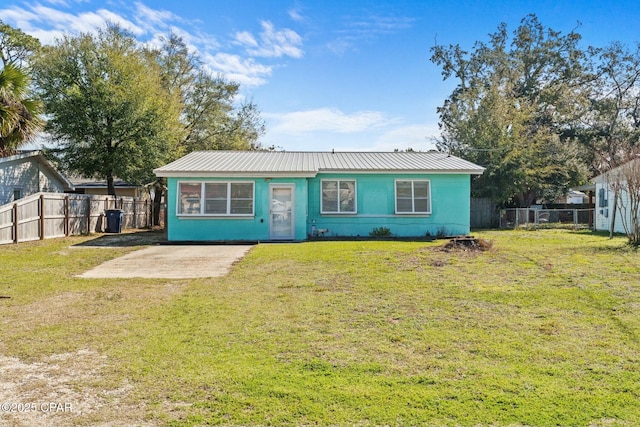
(344, 75)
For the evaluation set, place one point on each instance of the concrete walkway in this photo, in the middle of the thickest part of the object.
(171, 262)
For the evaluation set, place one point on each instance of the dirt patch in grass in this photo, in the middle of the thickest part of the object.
(58, 391)
(49, 386)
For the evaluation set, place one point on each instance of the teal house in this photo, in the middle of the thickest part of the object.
(279, 195)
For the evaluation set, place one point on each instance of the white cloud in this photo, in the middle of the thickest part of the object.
(47, 37)
(53, 21)
(388, 137)
(375, 24)
(272, 43)
(327, 120)
(245, 38)
(153, 18)
(359, 29)
(58, 2)
(296, 15)
(19, 18)
(417, 137)
(48, 24)
(241, 70)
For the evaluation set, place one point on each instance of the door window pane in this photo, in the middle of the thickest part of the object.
(281, 213)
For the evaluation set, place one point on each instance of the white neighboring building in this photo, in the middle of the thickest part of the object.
(28, 173)
(575, 197)
(604, 196)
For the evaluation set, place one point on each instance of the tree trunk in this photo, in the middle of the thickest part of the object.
(525, 199)
(111, 189)
(613, 215)
(157, 202)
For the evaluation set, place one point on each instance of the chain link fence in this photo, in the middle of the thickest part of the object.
(546, 218)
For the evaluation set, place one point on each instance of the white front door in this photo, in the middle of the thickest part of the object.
(281, 212)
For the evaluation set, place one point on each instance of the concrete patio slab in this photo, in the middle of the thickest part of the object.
(171, 262)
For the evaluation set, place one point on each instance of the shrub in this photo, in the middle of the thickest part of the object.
(380, 232)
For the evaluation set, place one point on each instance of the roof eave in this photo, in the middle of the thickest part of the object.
(239, 174)
(406, 171)
(235, 174)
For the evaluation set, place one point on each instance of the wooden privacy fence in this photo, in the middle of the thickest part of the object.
(484, 213)
(47, 215)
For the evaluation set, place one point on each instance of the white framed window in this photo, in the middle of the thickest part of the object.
(338, 196)
(413, 196)
(216, 198)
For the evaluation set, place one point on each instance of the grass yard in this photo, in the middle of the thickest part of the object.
(541, 330)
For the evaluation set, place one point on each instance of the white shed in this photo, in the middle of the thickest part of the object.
(28, 173)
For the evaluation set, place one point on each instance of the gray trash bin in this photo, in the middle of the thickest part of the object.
(114, 220)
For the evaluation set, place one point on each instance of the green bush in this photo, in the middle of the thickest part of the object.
(380, 232)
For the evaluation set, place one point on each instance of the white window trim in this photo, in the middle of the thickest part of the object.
(203, 200)
(339, 212)
(413, 197)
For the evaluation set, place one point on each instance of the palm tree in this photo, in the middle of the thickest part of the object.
(19, 115)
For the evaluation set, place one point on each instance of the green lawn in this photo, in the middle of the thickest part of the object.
(541, 330)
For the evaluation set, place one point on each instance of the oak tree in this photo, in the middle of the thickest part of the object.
(514, 99)
(108, 109)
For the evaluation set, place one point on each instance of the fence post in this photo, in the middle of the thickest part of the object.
(135, 213)
(575, 219)
(88, 214)
(152, 213)
(41, 212)
(67, 225)
(15, 223)
(146, 218)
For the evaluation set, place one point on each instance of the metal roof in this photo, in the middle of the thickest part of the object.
(290, 163)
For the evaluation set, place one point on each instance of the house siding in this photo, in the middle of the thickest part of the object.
(256, 227)
(375, 201)
(27, 176)
(450, 206)
(604, 213)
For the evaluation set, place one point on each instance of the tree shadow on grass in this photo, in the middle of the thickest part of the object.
(623, 248)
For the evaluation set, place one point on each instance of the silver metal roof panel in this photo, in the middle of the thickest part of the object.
(291, 163)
